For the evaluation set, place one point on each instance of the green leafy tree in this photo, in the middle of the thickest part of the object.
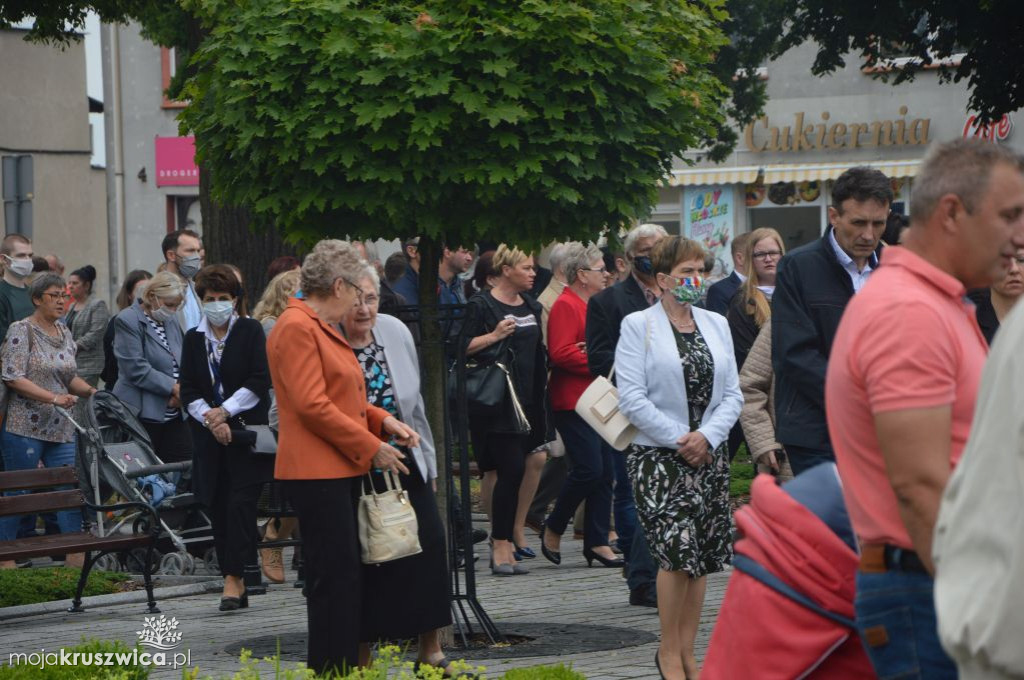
(987, 34)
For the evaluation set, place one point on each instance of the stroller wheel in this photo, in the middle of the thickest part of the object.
(210, 563)
(172, 564)
(189, 567)
(108, 562)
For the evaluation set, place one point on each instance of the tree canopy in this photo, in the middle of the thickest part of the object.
(987, 34)
(524, 120)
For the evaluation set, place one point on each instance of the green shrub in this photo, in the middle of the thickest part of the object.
(25, 671)
(741, 475)
(29, 586)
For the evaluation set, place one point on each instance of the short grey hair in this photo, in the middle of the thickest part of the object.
(961, 167)
(641, 231)
(164, 286)
(330, 260)
(580, 257)
(371, 273)
(44, 282)
(556, 258)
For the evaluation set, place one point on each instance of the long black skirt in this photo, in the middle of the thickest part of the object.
(407, 597)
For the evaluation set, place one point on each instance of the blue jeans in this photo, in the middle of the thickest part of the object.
(623, 506)
(590, 479)
(24, 453)
(802, 458)
(896, 621)
(641, 569)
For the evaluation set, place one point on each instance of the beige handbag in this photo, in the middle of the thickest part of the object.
(599, 407)
(388, 529)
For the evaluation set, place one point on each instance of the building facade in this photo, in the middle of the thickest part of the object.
(780, 175)
(52, 194)
(152, 180)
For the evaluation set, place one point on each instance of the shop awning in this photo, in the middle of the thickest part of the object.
(695, 176)
(824, 171)
(797, 172)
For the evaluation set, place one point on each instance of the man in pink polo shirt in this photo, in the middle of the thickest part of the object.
(901, 387)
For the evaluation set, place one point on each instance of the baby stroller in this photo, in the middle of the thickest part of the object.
(115, 455)
(789, 603)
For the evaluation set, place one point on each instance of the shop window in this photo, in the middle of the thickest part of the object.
(794, 209)
(183, 212)
(168, 68)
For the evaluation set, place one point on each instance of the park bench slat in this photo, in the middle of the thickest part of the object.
(38, 478)
(40, 546)
(50, 501)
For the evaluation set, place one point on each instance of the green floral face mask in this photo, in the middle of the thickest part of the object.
(688, 289)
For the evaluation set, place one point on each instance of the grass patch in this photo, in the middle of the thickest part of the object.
(29, 586)
(741, 474)
(83, 671)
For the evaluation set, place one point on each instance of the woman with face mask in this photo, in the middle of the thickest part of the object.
(130, 293)
(677, 380)
(225, 385)
(147, 345)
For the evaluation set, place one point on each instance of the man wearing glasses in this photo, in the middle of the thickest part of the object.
(813, 285)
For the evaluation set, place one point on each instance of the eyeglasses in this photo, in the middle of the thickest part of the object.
(357, 289)
(369, 301)
(58, 296)
(767, 254)
(603, 270)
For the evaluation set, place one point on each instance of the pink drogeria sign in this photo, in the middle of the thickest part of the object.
(176, 162)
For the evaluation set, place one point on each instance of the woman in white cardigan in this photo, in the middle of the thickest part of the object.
(677, 380)
(408, 597)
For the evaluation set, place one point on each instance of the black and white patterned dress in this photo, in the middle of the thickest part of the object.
(684, 511)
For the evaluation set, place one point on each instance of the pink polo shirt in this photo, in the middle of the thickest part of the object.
(908, 340)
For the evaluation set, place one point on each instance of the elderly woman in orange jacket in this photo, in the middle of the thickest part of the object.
(329, 437)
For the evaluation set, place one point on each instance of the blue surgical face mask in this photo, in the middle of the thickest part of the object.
(642, 263)
(218, 312)
(161, 314)
(688, 289)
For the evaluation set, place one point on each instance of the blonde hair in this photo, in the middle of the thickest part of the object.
(275, 295)
(757, 304)
(505, 256)
(163, 286)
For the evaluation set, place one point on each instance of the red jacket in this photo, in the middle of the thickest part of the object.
(567, 325)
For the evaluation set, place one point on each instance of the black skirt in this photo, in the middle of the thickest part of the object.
(407, 597)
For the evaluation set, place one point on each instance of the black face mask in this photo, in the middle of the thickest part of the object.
(642, 263)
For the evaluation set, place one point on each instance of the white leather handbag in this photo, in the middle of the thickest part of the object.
(388, 529)
(599, 407)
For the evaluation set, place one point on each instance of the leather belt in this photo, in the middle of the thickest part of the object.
(878, 558)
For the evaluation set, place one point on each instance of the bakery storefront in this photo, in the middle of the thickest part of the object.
(782, 171)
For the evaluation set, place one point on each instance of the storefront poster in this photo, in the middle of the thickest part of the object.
(709, 219)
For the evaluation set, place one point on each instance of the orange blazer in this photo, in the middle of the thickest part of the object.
(327, 428)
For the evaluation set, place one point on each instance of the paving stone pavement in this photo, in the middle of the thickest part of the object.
(569, 593)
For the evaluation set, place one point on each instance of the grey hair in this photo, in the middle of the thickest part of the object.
(330, 260)
(641, 231)
(44, 282)
(556, 258)
(961, 167)
(164, 286)
(371, 273)
(579, 257)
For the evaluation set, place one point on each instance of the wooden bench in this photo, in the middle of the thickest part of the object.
(49, 501)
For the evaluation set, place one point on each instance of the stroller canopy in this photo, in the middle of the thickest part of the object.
(788, 609)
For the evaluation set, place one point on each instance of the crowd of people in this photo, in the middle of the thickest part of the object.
(861, 349)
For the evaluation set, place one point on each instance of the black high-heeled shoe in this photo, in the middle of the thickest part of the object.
(657, 664)
(230, 604)
(553, 556)
(589, 555)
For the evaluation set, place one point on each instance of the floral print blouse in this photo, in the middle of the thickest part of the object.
(28, 352)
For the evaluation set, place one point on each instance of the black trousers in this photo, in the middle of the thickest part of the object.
(552, 477)
(233, 515)
(504, 453)
(326, 509)
(802, 458)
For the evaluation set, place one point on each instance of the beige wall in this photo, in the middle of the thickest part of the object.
(44, 112)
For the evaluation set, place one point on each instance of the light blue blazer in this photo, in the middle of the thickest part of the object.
(404, 367)
(145, 369)
(649, 375)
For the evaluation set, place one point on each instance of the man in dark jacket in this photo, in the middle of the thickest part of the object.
(720, 294)
(605, 312)
(813, 285)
